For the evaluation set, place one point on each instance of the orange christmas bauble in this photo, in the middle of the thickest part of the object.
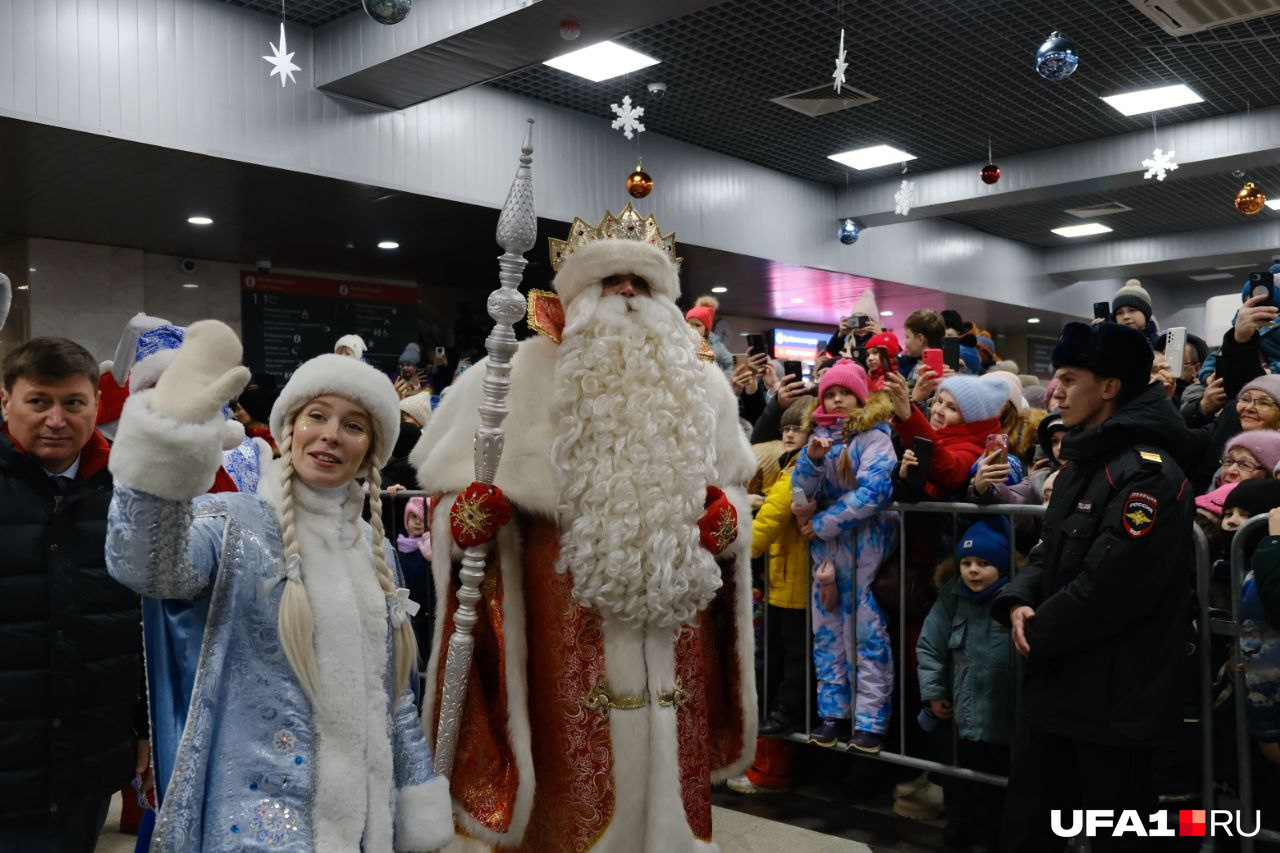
(639, 184)
(1250, 199)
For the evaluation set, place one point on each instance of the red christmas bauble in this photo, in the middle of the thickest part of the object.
(639, 184)
(990, 173)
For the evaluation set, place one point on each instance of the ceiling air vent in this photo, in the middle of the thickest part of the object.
(1105, 209)
(821, 100)
(1183, 17)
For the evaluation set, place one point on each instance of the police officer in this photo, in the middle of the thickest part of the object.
(1099, 612)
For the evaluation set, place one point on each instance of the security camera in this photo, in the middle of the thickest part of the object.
(264, 265)
(657, 89)
(187, 265)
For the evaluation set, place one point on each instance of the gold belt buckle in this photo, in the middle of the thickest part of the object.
(677, 698)
(602, 701)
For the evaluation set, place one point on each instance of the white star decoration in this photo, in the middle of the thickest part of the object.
(904, 198)
(628, 120)
(1159, 164)
(841, 65)
(282, 62)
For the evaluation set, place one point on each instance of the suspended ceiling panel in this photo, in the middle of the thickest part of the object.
(948, 76)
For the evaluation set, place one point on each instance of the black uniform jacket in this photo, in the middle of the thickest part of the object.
(1110, 583)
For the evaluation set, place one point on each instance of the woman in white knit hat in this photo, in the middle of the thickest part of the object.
(302, 732)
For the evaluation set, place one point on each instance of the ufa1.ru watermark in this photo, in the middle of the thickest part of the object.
(1201, 822)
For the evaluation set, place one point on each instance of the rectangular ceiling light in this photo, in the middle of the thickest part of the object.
(870, 158)
(1211, 276)
(1274, 203)
(1151, 100)
(602, 61)
(1088, 229)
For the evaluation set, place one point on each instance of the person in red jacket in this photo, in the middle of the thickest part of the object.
(965, 410)
(882, 359)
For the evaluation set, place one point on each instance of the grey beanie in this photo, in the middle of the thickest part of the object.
(1132, 295)
(412, 355)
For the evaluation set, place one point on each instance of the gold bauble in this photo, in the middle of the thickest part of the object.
(1250, 199)
(639, 184)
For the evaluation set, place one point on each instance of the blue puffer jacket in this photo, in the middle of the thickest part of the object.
(964, 656)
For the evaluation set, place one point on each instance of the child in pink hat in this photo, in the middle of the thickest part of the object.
(846, 474)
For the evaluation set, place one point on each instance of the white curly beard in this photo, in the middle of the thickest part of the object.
(632, 455)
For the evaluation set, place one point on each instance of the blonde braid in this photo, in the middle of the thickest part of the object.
(404, 641)
(295, 625)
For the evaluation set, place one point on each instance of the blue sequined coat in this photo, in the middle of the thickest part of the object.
(248, 770)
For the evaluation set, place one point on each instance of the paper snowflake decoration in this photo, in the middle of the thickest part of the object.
(628, 120)
(1159, 164)
(282, 60)
(904, 198)
(841, 65)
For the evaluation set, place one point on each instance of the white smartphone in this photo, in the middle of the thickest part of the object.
(1175, 347)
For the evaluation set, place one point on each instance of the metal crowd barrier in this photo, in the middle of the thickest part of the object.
(1205, 626)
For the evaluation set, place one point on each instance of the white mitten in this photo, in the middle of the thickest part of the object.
(204, 375)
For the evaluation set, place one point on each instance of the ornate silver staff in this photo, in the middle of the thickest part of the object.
(517, 233)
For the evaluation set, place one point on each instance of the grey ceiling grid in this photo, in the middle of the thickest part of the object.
(948, 75)
(313, 13)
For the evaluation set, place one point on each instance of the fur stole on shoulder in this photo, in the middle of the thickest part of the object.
(877, 410)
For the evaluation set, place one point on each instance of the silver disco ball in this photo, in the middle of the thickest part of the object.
(388, 11)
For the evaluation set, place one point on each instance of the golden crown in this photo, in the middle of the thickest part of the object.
(628, 225)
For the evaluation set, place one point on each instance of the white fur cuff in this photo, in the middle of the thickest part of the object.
(424, 816)
(164, 457)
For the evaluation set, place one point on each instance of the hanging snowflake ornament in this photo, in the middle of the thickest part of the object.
(628, 120)
(1159, 164)
(841, 65)
(282, 60)
(904, 198)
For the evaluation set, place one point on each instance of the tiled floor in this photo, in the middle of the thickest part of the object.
(738, 832)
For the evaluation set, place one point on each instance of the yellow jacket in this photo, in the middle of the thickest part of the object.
(774, 530)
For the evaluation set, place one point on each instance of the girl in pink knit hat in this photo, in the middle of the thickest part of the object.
(846, 474)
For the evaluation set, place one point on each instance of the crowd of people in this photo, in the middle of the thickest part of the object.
(669, 523)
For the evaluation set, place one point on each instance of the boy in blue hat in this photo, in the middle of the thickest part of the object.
(964, 671)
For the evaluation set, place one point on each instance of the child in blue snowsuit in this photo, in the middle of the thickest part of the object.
(846, 472)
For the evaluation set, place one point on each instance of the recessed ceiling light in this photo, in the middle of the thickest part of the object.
(796, 300)
(886, 313)
(1088, 229)
(870, 158)
(31, 269)
(199, 220)
(24, 287)
(190, 285)
(388, 244)
(1152, 100)
(1033, 319)
(1212, 276)
(1274, 203)
(719, 290)
(602, 61)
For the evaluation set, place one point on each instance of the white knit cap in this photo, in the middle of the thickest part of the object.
(418, 407)
(354, 342)
(347, 378)
(1015, 387)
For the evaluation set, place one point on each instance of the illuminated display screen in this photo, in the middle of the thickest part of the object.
(797, 345)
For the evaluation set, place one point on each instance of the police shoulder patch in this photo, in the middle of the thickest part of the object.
(1140, 510)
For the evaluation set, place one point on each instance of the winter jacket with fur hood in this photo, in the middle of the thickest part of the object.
(774, 530)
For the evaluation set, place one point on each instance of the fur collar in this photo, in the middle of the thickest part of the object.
(877, 410)
(445, 460)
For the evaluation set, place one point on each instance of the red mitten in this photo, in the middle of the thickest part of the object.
(477, 514)
(718, 527)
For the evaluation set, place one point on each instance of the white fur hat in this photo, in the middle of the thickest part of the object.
(355, 342)
(347, 378)
(611, 256)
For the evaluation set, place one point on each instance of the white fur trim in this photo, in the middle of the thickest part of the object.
(127, 348)
(424, 819)
(347, 378)
(510, 552)
(589, 264)
(445, 461)
(170, 459)
(745, 646)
